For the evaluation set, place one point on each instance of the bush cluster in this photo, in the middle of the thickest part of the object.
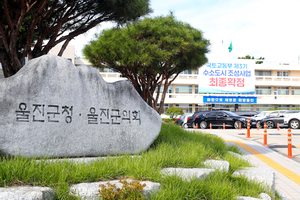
(129, 190)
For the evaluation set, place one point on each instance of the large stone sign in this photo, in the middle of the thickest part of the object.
(53, 108)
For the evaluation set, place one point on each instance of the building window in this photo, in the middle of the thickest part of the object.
(203, 107)
(246, 107)
(282, 107)
(295, 91)
(262, 73)
(166, 106)
(263, 90)
(169, 90)
(263, 107)
(183, 89)
(282, 73)
(296, 107)
(196, 89)
(196, 71)
(186, 108)
(282, 90)
(228, 107)
(107, 70)
(186, 72)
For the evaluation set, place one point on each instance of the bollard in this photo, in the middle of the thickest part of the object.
(265, 138)
(240, 126)
(257, 126)
(196, 126)
(248, 128)
(210, 126)
(223, 125)
(278, 127)
(265, 125)
(289, 144)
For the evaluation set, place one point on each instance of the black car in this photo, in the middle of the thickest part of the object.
(191, 119)
(246, 113)
(276, 117)
(181, 121)
(217, 118)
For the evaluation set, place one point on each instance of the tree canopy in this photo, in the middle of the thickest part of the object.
(32, 27)
(249, 57)
(173, 112)
(150, 53)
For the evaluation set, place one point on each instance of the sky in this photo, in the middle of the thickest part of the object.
(259, 28)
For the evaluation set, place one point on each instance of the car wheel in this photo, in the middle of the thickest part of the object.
(270, 124)
(237, 124)
(203, 125)
(294, 124)
(185, 126)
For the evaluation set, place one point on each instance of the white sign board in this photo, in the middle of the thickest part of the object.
(235, 76)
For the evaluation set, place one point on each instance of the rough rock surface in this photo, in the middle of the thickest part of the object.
(27, 193)
(263, 175)
(91, 190)
(218, 164)
(187, 173)
(53, 108)
(263, 196)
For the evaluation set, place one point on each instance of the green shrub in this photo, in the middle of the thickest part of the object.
(131, 190)
(168, 121)
(174, 112)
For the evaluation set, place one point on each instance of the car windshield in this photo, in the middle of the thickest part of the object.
(231, 114)
(261, 114)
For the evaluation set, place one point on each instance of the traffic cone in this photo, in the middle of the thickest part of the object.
(290, 144)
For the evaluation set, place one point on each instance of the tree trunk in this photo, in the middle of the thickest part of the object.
(10, 64)
(163, 96)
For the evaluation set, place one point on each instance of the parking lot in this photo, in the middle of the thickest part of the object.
(277, 140)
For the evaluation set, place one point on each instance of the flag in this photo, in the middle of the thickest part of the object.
(230, 47)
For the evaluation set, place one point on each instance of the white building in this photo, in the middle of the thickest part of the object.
(271, 84)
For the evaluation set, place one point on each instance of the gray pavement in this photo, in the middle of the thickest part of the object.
(274, 155)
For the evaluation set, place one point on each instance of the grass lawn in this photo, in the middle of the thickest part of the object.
(174, 147)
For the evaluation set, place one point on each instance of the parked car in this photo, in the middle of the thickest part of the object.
(190, 120)
(181, 121)
(277, 117)
(264, 114)
(246, 113)
(217, 118)
(292, 120)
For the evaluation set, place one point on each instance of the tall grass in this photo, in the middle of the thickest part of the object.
(174, 147)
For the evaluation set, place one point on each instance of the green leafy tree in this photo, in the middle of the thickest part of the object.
(32, 27)
(150, 53)
(249, 57)
(246, 57)
(174, 112)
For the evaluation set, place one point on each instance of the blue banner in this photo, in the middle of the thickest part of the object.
(237, 100)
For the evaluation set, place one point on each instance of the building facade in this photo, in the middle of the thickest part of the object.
(271, 85)
(275, 85)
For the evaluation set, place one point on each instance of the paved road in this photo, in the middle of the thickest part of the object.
(287, 170)
(276, 139)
